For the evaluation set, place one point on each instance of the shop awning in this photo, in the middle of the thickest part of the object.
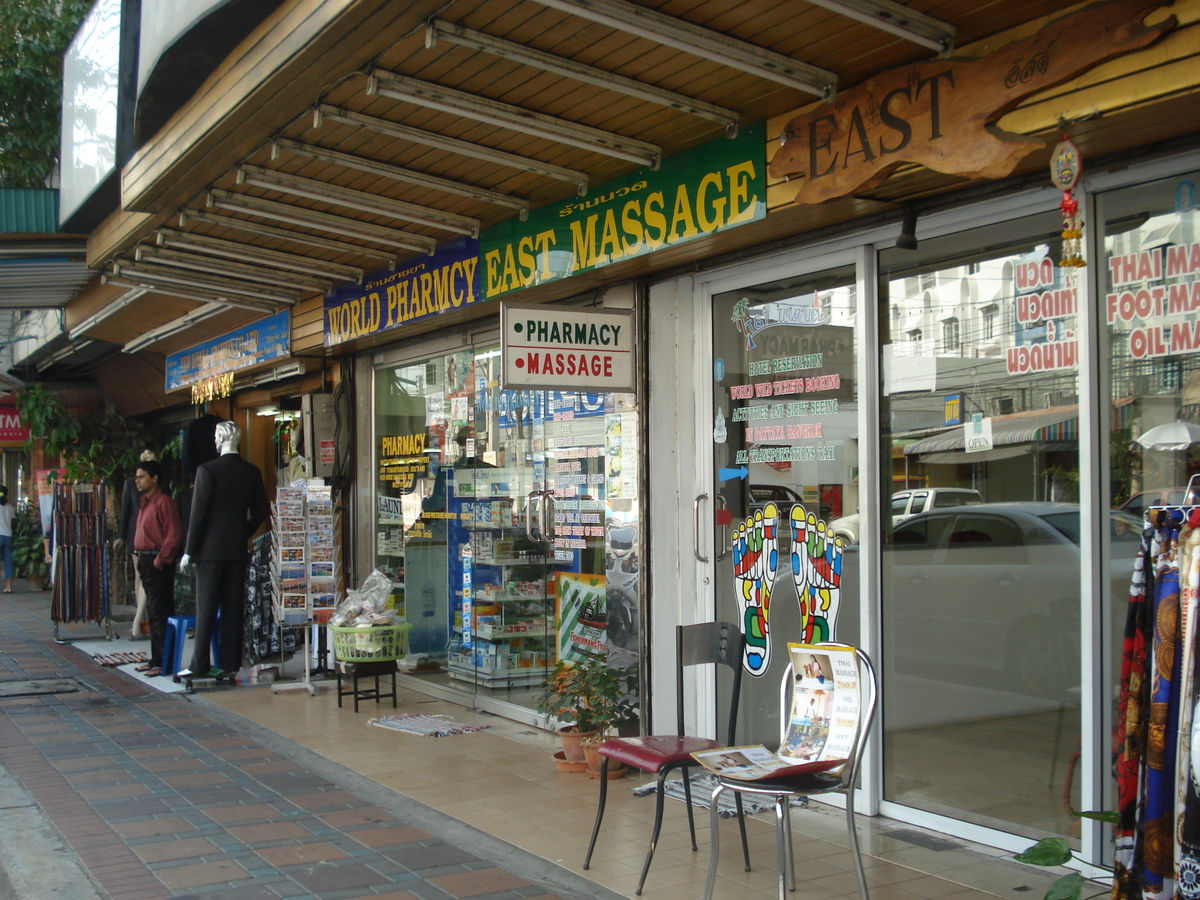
(1059, 423)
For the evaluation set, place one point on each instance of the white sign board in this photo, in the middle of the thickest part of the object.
(564, 348)
(977, 434)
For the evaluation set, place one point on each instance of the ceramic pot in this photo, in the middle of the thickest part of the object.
(568, 765)
(591, 751)
(572, 743)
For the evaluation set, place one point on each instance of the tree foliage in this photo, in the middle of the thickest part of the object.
(101, 446)
(34, 35)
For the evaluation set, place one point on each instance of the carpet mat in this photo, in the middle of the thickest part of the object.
(424, 725)
(121, 659)
(702, 788)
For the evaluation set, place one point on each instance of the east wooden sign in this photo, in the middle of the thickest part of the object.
(942, 113)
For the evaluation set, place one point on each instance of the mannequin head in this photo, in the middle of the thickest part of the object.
(228, 436)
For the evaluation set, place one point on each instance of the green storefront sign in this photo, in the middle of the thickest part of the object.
(711, 188)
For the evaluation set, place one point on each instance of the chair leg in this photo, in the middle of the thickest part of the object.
(780, 852)
(715, 846)
(687, 798)
(858, 866)
(737, 799)
(789, 855)
(658, 814)
(587, 861)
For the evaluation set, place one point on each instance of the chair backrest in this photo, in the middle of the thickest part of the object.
(709, 643)
(868, 690)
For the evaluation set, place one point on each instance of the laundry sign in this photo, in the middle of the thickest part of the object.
(557, 348)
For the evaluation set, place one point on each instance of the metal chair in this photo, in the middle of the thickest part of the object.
(782, 790)
(709, 643)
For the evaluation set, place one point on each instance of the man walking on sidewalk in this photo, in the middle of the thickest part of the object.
(156, 545)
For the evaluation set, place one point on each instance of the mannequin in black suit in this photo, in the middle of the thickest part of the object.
(228, 504)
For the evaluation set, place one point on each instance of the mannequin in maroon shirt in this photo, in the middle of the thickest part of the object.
(156, 546)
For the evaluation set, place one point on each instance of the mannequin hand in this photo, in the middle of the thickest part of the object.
(119, 543)
(184, 562)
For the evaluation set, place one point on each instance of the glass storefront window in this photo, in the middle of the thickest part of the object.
(785, 441)
(981, 559)
(508, 522)
(1149, 298)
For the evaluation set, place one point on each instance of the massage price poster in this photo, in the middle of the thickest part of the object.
(825, 703)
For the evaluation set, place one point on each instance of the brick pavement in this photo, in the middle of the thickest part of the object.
(165, 795)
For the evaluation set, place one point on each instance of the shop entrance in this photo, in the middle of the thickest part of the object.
(508, 522)
(785, 472)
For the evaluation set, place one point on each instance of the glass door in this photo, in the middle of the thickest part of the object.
(508, 523)
(785, 474)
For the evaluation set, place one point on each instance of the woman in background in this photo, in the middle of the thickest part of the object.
(6, 538)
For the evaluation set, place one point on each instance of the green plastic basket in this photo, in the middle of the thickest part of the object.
(370, 643)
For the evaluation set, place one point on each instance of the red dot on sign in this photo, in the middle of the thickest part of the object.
(520, 363)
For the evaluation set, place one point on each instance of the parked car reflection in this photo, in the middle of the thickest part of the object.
(990, 594)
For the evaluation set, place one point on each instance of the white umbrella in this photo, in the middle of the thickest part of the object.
(1171, 436)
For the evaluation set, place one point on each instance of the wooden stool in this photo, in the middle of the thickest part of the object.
(357, 670)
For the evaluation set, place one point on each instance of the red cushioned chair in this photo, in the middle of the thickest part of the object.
(709, 643)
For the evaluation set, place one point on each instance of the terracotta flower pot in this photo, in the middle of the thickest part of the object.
(572, 743)
(568, 765)
(591, 750)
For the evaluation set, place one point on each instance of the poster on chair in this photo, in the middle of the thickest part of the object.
(822, 720)
(825, 708)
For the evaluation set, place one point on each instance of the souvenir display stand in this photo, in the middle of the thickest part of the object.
(1157, 852)
(80, 557)
(305, 567)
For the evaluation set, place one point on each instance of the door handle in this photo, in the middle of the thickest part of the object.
(723, 543)
(546, 525)
(696, 528)
(530, 500)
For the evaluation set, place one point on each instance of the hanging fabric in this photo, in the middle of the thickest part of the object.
(1157, 853)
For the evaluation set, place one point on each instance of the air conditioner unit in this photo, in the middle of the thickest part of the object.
(287, 370)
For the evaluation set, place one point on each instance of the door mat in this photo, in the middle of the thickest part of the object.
(37, 687)
(121, 659)
(425, 725)
(702, 788)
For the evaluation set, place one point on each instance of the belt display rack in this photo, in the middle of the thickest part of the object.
(79, 568)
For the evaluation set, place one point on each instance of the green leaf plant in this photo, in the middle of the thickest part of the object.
(1056, 851)
(93, 446)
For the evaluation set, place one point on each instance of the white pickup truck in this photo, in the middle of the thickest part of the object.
(906, 504)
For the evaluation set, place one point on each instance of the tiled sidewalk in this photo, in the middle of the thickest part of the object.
(158, 798)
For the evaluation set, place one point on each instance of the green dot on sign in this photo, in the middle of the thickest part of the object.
(517, 327)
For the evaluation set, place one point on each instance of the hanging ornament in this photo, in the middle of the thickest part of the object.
(1064, 172)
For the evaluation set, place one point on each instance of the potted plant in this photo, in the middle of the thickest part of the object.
(29, 551)
(590, 700)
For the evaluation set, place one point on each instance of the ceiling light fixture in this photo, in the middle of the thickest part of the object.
(506, 115)
(283, 234)
(288, 262)
(191, 262)
(61, 354)
(286, 183)
(452, 33)
(174, 327)
(703, 42)
(452, 145)
(310, 218)
(219, 286)
(104, 312)
(897, 19)
(386, 170)
(258, 306)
